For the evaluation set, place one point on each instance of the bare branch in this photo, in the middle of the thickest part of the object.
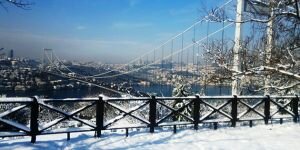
(23, 4)
(297, 8)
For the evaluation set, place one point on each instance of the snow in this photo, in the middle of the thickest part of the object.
(65, 130)
(277, 136)
(72, 99)
(15, 99)
(12, 110)
(8, 134)
(15, 124)
(51, 123)
(55, 109)
(127, 112)
(86, 122)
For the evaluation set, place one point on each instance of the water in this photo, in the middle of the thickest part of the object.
(160, 90)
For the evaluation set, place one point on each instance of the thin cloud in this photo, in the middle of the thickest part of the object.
(133, 3)
(184, 11)
(80, 27)
(126, 25)
(163, 36)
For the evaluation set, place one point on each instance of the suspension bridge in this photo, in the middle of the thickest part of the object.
(182, 58)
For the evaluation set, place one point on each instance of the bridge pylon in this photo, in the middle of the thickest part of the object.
(47, 58)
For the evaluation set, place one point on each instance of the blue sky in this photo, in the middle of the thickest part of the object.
(99, 30)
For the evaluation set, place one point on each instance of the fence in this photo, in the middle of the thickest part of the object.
(144, 112)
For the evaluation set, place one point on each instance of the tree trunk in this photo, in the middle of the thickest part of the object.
(237, 47)
(268, 50)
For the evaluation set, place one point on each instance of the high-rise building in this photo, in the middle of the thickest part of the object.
(11, 53)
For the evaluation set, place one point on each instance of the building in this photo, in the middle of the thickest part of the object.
(11, 54)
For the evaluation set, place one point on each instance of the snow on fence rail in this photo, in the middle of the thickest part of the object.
(148, 112)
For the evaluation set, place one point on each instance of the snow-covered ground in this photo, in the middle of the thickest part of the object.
(286, 136)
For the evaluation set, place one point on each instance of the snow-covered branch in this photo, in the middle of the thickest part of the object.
(291, 74)
(257, 70)
(278, 87)
(291, 55)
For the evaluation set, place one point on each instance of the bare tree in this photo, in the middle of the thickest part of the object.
(269, 61)
(23, 4)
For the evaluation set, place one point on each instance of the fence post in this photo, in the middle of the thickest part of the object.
(295, 103)
(152, 114)
(196, 112)
(34, 114)
(250, 123)
(99, 116)
(215, 125)
(234, 110)
(126, 130)
(267, 109)
(174, 129)
(68, 136)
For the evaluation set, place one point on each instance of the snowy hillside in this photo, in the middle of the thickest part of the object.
(277, 136)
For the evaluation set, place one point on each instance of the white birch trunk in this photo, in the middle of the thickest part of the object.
(237, 47)
(268, 51)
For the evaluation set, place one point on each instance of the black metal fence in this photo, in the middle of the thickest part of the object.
(106, 113)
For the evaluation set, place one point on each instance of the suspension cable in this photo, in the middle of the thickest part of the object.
(149, 52)
(174, 53)
(171, 39)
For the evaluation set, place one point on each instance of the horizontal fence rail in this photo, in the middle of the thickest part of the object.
(107, 113)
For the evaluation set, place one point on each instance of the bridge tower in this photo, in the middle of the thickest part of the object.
(47, 57)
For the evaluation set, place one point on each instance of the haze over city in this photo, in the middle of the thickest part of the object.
(104, 31)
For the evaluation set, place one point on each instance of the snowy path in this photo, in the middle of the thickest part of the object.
(286, 136)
